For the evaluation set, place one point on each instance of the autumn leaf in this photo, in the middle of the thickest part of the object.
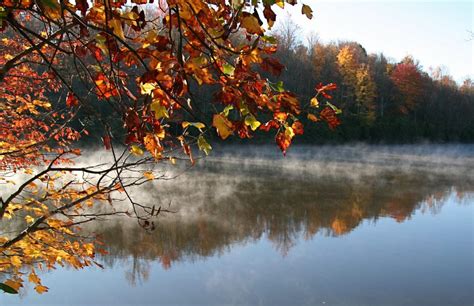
(313, 117)
(159, 109)
(198, 125)
(34, 278)
(50, 8)
(252, 122)
(15, 261)
(269, 15)
(329, 115)
(29, 219)
(272, 65)
(251, 24)
(8, 289)
(71, 100)
(223, 125)
(204, 145)
(314, 102)
(228, 69)
(116, 26)
(41, 289)
(297, 127)
(152, 144)
(306, 10)
(280, 3)
(283, 139)
(13, 284)
(149, 175)
(107, 142)
(136, 150)
(82, 6)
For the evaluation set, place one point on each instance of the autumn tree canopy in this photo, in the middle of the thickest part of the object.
(62, 61)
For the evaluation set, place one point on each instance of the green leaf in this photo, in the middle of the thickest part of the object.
(252, 122)
(7, 289)
(3, 13)
(334, 108)
(50, 3)
(269, 39)
(204, 145)
(227, 109)
(228, 69)
(277, 86)
(244, 110)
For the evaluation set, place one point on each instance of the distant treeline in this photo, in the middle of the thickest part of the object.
(381, 100)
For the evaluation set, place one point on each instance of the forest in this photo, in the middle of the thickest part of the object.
(381, 100)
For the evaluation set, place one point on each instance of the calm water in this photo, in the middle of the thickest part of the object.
(324, 226)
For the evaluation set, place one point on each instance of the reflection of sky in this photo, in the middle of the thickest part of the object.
(426, 260)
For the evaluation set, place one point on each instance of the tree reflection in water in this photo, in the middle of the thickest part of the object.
(217, 210)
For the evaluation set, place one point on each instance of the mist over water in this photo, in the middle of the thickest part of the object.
(231, 170)
(335, 225)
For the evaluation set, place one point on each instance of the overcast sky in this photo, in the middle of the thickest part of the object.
(434, 32)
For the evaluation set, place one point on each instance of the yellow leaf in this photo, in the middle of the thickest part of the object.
(34, 278)
(250, 23)
(89, 248)
(289, 132)
(152, 144)
(252, 122)
(160, 110)
(204, 145)
(306, 10)
(314, 102)
(29, 219)
(223, 125)
(198, 125)
(116, 26)
(149, 175)
(13, 283)
(41, 289)
(54, 223)
(136, 150)
(15, 261)
(147, 88)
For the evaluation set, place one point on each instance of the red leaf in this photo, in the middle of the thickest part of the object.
(329, 115)
(297, 127)
(284, 141)
(272, 65)
(270, 124)
(82, 6)
(106, 141)
(71, 100)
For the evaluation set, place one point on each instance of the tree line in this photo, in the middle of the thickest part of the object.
(381, 100)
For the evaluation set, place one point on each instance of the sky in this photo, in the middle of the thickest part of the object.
(437, 33)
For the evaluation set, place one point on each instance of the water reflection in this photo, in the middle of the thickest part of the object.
(341, 226)
(227, 204)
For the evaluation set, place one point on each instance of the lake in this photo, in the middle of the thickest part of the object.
(331, 225)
